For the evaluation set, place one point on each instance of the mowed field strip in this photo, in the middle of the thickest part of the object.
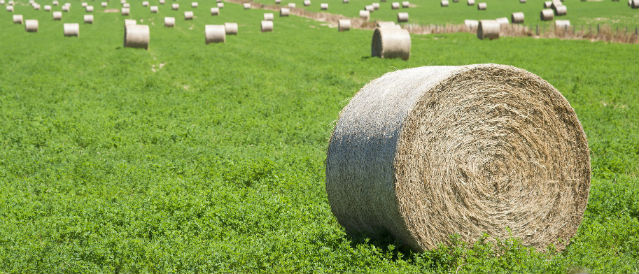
(189, 157)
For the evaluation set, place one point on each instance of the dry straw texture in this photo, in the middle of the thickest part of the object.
(136, 36)
(214, 34)
(488, 29)
(71, 29)
(31, 25)
(343, 24)
(390, 42)
(421, 154)
(517, 18)
(471, 24)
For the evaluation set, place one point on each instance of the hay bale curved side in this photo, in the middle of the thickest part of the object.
(71, 29)
(402, 17)
(343, 24)
(517, 18)
(231, 28)
(31, 25)
(488, 29)
(425, 153)
(214, 34)
(266, 26)
(136, 36)
(17, 19)
(546, 15)
(169, 22)
(391, 42)
(88, 19)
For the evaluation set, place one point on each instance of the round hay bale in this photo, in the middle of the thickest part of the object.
(291, 5)
(502, 21)
(175, 6)
(9, 8)
(470, 2)
(215, 11)
(31, 25)
(387, 24)
(522, 1)
(444, 3)
(471, 24)
(103, 4)
(57, 15)
(561, 10)
(125, 11)
(364, 14)
(162, 2)
(47, 8)
(405, 4)
(154, 9)
(488, 29)
(482, 6)
(343, 24)
(66, 8)
(220, 5)
(126, 5)
(555, 3)
(130, 22)
(517, 17)
(562, 25)
(55, 3)
(546, 15)
(369, 8)
(247, 6)
(71, 29)
(277, 2)
(375, 6)
(169, 22)
(214, 34)
(194, 4)
(17, 19)
(267, 26)
(402, 17)
(284, 12)
(395, 5)
(345, 1)
(425, 153)
(145, 3)
(136, 36)
(188, 15)
(35, 7)
(391, 42)
(88, 19)
(84, 4)
(324, 6)
(307, 3)
(230, 28)
(88, 9)
(547, 4)
(268, 16)
(635, 4)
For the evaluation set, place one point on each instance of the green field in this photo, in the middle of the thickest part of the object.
(198, 158)
(425, 12)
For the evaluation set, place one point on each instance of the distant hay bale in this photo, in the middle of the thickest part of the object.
(188, 15)
(128, 22)
(324, 6)
(364, 14)
(561, 10)
(220, 5)
(71, 29)
(555, 3)
(268, 16)
(345, 1)
(488, 29)
(194, 4)
(547, 4)
(546, 15)
(402, 17)
(405, 4)
(9, 8)
(215, 11)
(387, 24)
(88, 9)
(471, 24)
(284, 12)
(17, 19)
(562, 25)
(517, 18)
(154, 9)
(278, 2)
(395, 5)
(369, 8)
(307, 3)
(426, 153)
(55, 3)
(391, 42)
(136, 36)
(169, 22)
(124, 11)
(482, 6)
(175, 6)
(230, 28)
(31, 25)
(84, 4)
(502, 21)
(126, 5)
(103, 4)
(145, 3)
(375, 6)
(444, 3)
(162, 2)
(522, 1)
(88, 19)
(47, 8)
(470, 2)
(343, 24)
(66, 8)
(267, 26)
(292, 5)
(57, 15)
(35, 6)
(246, 6)
(214, 34)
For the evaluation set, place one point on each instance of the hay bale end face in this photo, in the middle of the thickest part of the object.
(284, 12)
(482, 6)
(230, 28)
(71, 29)
(31, 25)
(343, 24)
(425, 153)
(88, 19)
(214, 34)
(169, 22)
(517, 18)
(488, 29)
(402, 17)
(136, 36)
(267, 26)
(391, 42)
(546, 15)
(17, 19)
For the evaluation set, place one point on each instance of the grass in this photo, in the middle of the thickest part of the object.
(581, 14)
(197, 158)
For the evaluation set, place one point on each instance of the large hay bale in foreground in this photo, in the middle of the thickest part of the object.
(425, 153)
(136, 36)
(31, 25)
(343, 24)
(488, 29)
(546, 15)
(391, 42)
(517, 18)
(71, 29)
(231, 28)
(214, 34)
